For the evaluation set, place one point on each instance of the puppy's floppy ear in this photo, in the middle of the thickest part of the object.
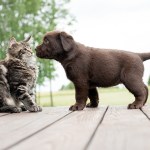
(66, 41)
(12, 41)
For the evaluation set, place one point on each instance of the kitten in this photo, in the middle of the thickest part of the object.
(21, 74)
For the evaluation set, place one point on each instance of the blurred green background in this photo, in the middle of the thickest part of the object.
(108, 96)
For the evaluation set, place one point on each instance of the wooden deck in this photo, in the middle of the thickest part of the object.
(103, 128)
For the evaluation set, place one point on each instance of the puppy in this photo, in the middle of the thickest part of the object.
(89, 68)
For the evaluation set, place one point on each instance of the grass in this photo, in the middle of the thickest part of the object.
(108, 96)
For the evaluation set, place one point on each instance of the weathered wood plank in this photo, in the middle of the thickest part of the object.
(16, 127)
(72, 132)
(146, 111)
(122, 129)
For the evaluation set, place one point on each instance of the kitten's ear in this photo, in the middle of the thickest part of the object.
(12, 41)
(27, 39)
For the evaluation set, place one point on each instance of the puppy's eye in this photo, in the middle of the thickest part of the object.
(46, 41)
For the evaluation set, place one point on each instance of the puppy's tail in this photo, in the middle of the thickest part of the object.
(144, 56)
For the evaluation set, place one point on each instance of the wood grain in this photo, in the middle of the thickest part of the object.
(16, 127)
(122, 129)
(72, 132)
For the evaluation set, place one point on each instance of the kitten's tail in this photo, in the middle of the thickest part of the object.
(144, 56)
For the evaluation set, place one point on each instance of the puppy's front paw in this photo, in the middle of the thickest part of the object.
(34, 108)
(77, 107)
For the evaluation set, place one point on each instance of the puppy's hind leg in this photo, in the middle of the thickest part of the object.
(94, 99)
(136, 86)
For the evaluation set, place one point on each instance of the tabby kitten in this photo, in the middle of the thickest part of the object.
(21, 74)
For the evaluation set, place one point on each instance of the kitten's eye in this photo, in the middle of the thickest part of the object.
(22, 51)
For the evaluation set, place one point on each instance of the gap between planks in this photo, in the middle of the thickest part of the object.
(146, 111)
(101, 120)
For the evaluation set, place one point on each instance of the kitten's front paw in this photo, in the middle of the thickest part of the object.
(34, 108)
(10, 109)
(15, 109)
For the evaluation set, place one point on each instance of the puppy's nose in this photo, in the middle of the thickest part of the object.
(36, 49)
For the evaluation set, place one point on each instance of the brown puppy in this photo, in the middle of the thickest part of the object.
(89, 68)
